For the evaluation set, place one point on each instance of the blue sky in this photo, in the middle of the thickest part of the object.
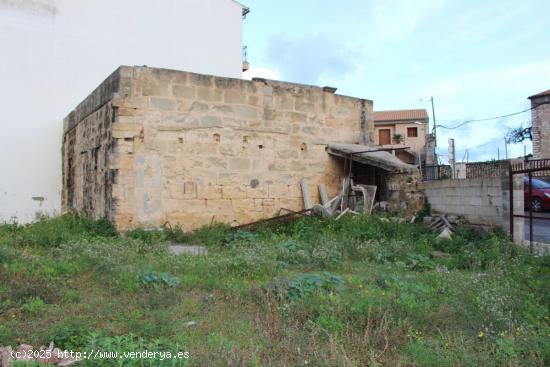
(476, 58)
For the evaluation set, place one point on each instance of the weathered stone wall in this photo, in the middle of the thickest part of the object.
(483, 201)
(403, 193)
(193, 149)
(87, 145)
(540, 117)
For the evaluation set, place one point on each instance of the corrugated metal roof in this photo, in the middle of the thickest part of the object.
(400, 115)
(371, 156)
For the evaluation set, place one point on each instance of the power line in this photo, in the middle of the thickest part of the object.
(482, 145)
(485, 119)
(479, 146)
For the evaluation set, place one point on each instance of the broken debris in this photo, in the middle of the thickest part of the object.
(352, 199)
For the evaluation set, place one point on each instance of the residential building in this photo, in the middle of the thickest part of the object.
(154, 146)
(55, 51)
(404, 132)
(540, 119)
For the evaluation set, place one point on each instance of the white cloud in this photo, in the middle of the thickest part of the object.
(396, 21)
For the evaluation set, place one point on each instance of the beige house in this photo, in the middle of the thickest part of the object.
(154, 146)
(403, 132)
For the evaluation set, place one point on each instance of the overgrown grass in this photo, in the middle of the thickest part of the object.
(354, 292)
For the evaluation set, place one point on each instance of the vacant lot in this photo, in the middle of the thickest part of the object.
(354, 292)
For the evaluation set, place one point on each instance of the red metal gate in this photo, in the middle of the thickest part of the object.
(532, 168)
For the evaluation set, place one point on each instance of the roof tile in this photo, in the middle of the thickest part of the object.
(400, 115)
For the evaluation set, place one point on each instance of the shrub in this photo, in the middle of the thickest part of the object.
(33, 306)
(147, 236)
(292, 252)
(305, 285)
(152, 279)
(247, 262)
(326, 254)
(52, 232)
(213, 235)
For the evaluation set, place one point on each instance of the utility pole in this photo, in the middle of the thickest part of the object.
(435, 129)
(505, 148)
(452, 158)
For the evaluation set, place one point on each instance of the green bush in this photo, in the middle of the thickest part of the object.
(53, 232)
(154, 279)
(305, 285)
(147, 236)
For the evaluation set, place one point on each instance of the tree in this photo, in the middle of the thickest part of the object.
(519, 134)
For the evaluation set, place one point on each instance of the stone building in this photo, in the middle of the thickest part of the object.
(154, 146)
(540, 118)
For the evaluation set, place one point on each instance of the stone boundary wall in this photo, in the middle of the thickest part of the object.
(192, 149)
(483, 201)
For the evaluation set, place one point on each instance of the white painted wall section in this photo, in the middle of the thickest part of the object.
(55, 52)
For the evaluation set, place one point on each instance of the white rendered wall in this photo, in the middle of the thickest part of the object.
(55, 52)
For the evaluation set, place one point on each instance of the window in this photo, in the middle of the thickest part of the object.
(412, 132)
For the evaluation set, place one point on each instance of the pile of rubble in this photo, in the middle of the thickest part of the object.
(443, 223)
(352, 198)
(44, 355)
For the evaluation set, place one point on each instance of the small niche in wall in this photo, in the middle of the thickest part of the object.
(180, 140)
(303, 147)
(245, 139)
(114, 113)
(217, 138)
(261, 146)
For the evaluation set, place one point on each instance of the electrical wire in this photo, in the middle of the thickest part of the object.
(482, 145)
(485, 119)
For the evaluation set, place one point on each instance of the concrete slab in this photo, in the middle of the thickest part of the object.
(180, 249)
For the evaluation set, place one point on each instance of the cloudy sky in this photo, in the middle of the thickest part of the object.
(477, 59)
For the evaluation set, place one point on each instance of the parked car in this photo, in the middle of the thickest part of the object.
(540, 199)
